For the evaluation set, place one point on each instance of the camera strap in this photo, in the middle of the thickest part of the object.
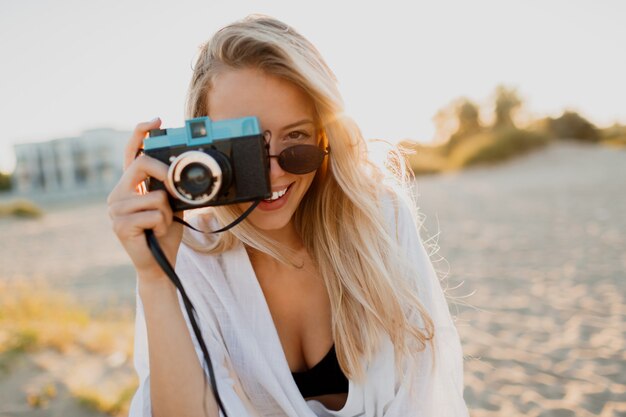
(161, 259)
(225, 228)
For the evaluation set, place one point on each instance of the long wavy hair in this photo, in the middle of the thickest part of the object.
(340, 218)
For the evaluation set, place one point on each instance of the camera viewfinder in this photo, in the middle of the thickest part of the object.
(198, 129)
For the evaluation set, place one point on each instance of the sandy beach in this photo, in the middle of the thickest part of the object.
(539, 245)
(534, 254)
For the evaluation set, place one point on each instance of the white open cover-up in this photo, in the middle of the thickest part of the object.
(252, 373)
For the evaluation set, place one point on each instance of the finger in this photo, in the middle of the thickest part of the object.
(140, 169)
(160, 230)
(154, 200)
(136, 140)
(134, 224)
(141, 188)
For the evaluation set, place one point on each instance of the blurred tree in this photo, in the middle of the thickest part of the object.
(459, 119)
(614, 131)
(445, 124)
(468, 123)
(507, 101)
(614, 135)
(468, 115)
(571, 125)
(5, 182)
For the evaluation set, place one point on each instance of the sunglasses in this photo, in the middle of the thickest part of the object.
(300, 159)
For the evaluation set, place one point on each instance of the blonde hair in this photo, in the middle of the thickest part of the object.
(370, 285)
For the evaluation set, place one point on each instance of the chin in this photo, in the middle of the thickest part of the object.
(264, 222)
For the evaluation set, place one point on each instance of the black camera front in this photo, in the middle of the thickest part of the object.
(211, 163)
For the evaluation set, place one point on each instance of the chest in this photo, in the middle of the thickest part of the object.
(300, 307)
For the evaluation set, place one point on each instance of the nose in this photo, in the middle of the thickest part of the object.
(276, 171)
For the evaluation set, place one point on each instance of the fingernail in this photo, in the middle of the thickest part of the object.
(154, 120)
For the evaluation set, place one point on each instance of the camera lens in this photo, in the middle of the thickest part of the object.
(196, 179)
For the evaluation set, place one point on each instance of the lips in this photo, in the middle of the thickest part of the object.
(277, 200)
(278, 194)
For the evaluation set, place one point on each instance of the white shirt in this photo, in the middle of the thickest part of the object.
(251, 370)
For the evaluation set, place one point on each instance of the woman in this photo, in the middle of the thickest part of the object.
(323, 302)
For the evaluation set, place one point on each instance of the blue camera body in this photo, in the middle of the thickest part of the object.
(211, 163)
(202, 131)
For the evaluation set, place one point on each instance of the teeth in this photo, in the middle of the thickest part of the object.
(277, 194)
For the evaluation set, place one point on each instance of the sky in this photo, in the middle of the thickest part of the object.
(71, 65)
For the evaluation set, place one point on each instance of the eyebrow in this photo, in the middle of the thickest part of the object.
(298, 123)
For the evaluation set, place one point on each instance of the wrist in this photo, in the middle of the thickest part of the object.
(153, 281)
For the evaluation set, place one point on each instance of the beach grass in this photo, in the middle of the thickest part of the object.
(35, 319)
(113, 405)
(42, 396)
(494, 146)
(487, 147)
(20, 208)
(616, 142)
(34, 316)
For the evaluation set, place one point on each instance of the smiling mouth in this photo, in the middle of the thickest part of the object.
(277, 195)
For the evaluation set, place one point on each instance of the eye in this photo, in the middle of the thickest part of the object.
(298, 135)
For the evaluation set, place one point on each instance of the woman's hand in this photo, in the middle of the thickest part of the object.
(133, 211)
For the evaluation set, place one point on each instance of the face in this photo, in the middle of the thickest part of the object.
(286, 115)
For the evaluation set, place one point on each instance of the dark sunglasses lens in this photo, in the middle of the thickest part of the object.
(301, 159)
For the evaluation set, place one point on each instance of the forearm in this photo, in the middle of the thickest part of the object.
(176, 378)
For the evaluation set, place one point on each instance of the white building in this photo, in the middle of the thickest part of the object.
(91, 162)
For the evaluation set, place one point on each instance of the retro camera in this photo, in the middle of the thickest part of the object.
(211, 163)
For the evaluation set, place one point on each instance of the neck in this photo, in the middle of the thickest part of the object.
(287, 235)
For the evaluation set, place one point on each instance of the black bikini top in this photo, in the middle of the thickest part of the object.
(325, 377)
